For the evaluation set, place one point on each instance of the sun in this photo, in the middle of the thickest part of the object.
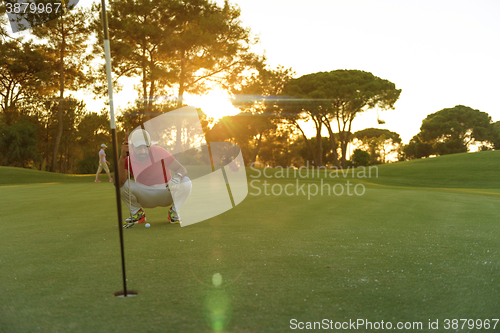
(215, 104)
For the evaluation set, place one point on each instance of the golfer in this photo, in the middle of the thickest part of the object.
(153, 185)
(103, 164)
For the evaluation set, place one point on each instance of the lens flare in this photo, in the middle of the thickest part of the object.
(217, 307)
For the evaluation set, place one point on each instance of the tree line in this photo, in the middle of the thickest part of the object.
(168, 45)
(173, 47)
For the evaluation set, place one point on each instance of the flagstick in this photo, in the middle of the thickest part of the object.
(115, 149)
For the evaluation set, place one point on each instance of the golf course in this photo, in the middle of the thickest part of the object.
(418, 246)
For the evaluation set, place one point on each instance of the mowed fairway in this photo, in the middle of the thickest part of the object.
(410, 249)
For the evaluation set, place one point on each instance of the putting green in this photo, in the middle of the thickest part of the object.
(396, 253)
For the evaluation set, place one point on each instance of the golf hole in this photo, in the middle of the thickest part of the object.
(130, 293)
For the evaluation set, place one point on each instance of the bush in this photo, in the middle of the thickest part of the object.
(360, 158)
(88, 164)
(18, 144)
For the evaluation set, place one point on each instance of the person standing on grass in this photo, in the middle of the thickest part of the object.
(103, 164)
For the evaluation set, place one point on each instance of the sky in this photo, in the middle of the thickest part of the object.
(441, 53)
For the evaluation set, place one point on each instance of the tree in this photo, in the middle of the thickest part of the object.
(453, 130)
(328, 157)
(70, 150)
(179, 44)
(210, 45)
(44, 115)
(258, 88)
(18, 144)
(23, 70)
(135, 115)
(281, 149)
(92, 131)
(300, 103)
(417, 149)
(66, 38)
(338, 96)
(360, 157)
(379, 142)
(496, 135)
(247, 130)
(333, 138)
(251, 96)
(140, 41)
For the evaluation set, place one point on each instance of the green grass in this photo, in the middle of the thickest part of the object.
(17, 176)
(425, 249)
(472, 170)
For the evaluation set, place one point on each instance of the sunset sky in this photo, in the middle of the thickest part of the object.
(441, 53)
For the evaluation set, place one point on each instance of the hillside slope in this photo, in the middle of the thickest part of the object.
(17, 176)
(467, 170)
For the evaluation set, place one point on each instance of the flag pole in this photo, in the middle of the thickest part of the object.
(115, 146)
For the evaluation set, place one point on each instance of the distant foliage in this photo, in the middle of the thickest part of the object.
(18, 144)
(328, 157)
(496, 135)
(92, 131)
(247, 130)
(335, 97)
(378, 142)
(453, 130)
(417, 149)
(360, 158)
